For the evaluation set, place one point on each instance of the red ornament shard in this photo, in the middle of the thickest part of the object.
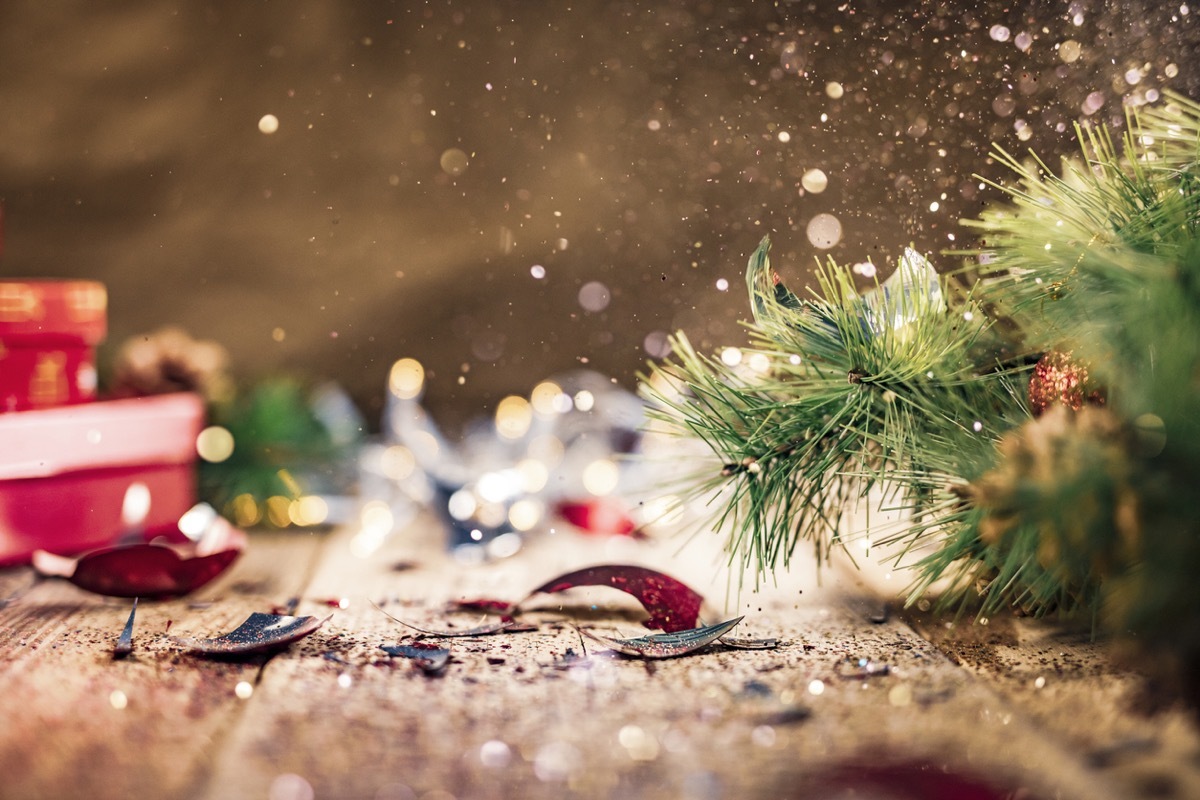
(484, 605)
(487, 629)
(673, 606)
(157, 569)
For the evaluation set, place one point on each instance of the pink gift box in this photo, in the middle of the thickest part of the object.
(78, 477)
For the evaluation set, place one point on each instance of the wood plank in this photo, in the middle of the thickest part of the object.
(333, 716)
(1067, 683)
(507, 720)
(78, 723)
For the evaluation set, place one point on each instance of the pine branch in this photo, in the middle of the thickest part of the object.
(921, 391)
(846, 392)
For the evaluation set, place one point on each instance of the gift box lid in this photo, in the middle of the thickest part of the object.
(111, 433)
(37, 312)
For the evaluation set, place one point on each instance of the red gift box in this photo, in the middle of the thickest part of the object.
(48, 334)
(79, 477)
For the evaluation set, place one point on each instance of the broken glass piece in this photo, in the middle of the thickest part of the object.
(479, 630)
(672, 605)
(430, 660)
(739, 643)
(571, 659)
(125, 641)
(159, 568)
(861, 669)
(787, 715)
(139, 570)
(666, 645)
(260, 633)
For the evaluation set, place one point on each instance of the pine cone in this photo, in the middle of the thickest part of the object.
(169, 360)
(1070, 478)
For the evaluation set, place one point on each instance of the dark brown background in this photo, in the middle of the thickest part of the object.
(634, 144)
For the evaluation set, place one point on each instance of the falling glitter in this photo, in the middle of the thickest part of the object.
(1069, 51)
(537, 271)
(824, 231)
(1004, 105)
(290, 786)
(454, 162)
(834, 90)
(814, 181)
(1092, 103)
(657, 344)
(791, 59)
(495, 754)
(999, 33)
(594, 296)
(268, 124)
(556, 761)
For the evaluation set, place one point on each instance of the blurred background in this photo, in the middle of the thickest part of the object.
(507, 190)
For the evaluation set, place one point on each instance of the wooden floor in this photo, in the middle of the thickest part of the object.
(1032, 710)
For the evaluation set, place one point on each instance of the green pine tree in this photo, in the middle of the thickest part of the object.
(920, 389)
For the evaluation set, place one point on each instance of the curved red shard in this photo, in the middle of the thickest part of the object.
(673, 606)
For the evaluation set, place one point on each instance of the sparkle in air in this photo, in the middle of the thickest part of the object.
(814, 181)
(454, 162)
(824, 231)
(594, 296)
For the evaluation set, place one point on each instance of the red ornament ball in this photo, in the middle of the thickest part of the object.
(1059, 380)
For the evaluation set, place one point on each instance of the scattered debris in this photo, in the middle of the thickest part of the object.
(666, 645)
(19, 593)
(1122, 750)
(571, 659)
(861, 669)
(430, 660)
(260, 633)
(769, 643)
(125, 641)
(788, 715)
(904, 781)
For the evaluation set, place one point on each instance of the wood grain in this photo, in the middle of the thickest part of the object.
(544, 713)
(79, 723)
